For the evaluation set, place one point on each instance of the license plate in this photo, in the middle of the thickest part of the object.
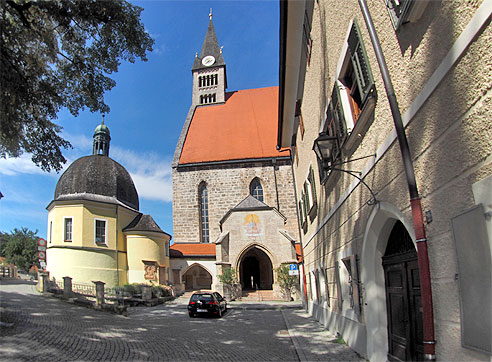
(201, 311)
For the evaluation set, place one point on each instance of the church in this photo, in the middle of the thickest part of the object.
(233, 195)
(95, 229)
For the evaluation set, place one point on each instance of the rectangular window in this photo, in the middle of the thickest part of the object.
(298, 114)
(352, 101)
(405, 11)
(67, 235)
(167, 248)
(100, 231)
(354, 289)
(327, 287)
(307, 42)
(51, 231)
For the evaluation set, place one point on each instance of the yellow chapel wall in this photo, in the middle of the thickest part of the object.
(146, 248)
(82, 259)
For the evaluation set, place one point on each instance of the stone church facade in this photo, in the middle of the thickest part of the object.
(233, 195)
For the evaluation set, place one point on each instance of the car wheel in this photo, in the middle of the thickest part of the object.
(219, 314)
(191, 314)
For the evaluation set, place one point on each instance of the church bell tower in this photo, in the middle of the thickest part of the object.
(209, 71)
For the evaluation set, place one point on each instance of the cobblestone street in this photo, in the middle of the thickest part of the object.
(34, 327)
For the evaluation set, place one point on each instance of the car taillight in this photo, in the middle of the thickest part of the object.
(213, 302)
(192, 302)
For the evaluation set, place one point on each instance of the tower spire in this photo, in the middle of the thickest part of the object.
(209, 70)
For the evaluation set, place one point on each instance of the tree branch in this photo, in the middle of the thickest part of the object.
(20, 10)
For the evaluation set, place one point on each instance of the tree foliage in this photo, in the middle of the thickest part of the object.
(286, 281)
(58, 54)
(228, 276)
(20, 247)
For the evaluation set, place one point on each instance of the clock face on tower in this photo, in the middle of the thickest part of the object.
(208, 60)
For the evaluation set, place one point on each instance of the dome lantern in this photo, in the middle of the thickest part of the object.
(101, 140)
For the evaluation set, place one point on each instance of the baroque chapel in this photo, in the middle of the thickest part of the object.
(233, 194)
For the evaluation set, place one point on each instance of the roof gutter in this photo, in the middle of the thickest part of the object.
(290, 49)
(281, 70)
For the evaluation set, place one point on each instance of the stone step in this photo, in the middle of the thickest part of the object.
(260, 295)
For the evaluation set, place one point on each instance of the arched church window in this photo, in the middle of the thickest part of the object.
(204, 222)
(256, 190)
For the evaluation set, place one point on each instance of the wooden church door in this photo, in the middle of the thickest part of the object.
(403, 299)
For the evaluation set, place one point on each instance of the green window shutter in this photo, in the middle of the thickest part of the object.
(306, 192)
(338, 114)
(304, 196)
(360, 62)
(313, 186)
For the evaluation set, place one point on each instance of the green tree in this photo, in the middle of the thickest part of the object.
(286, 281)
(20, 247)
(58, 54)
(228, 276)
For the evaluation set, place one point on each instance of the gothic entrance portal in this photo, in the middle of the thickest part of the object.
(403, 301)
(256, 270)
(196, 278)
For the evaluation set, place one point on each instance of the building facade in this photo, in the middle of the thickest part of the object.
(364, 256)
(95, 229)
(233, 196)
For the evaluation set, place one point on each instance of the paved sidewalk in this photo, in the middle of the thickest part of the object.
(312, 341)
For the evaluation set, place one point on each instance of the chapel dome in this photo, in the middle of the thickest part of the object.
(98, 178)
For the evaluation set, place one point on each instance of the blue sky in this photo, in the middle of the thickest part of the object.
(149, 104)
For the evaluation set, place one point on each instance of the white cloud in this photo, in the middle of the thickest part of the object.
(150, 173)
(12, 166)
(79, 141)
(153, 187)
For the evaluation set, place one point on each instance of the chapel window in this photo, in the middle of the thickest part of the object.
(67, 235)
(100, 231)
(256, 190)
(204, 221)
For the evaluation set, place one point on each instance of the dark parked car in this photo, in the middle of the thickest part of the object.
(207, 303)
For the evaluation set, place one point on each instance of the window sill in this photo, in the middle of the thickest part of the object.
(67, 241)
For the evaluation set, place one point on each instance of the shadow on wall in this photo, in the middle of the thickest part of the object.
(410, 35)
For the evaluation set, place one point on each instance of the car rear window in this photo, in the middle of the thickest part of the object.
(205, 297)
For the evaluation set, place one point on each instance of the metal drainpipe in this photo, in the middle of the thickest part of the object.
(418, 223)
(274, 164)
(298, 225)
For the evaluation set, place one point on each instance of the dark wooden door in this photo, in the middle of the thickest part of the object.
(403, 302)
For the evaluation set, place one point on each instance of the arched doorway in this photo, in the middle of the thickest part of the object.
(255, 270)
(196, 278)
(403, 297)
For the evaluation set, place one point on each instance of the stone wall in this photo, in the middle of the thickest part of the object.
(227, 185)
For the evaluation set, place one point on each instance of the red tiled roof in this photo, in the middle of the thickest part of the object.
(185, 249)
(243, 127)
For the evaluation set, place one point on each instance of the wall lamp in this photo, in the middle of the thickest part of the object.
(323, 146)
